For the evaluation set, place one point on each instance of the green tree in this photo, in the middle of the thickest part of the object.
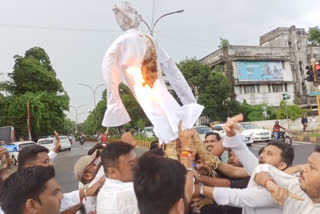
(224, 43)
(314, 36)
(214, 89)
(294, 111)
(33, 79)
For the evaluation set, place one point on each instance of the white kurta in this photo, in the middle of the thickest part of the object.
(122, 63)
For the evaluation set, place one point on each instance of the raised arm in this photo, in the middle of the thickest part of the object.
(234, 140)
(232, 171)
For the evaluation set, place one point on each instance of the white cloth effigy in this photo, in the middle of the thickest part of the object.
(122, 63)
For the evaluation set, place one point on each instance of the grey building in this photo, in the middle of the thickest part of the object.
(261, 74)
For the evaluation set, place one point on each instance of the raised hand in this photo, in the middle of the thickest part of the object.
(232, 125)
(57, 148)
(128, 138)
(186, 138)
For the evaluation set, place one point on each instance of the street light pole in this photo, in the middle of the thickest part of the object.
(76, 110)
(151, 29)
(94, 90)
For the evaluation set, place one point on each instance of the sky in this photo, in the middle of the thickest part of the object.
(76, 33)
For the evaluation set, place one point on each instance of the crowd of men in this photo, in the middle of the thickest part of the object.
(112, 179)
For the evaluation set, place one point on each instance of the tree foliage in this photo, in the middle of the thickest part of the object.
(214, 89)
(294, 111)
(314, 36)
(33, 79)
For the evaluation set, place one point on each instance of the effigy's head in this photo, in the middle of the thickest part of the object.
(126, 16)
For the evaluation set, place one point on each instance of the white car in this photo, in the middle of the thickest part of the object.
(148, 131)
(220, 129)
(256, 134)
(20, 145)
(50, 143)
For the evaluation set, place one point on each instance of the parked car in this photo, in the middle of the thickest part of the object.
(50, 143)
(202, 131)
(257, 134)
(148, 131)
(220, 129)
(15, 147)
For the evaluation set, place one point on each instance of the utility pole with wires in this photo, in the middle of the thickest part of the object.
(94, 90)
(76, 110)
(154, 24)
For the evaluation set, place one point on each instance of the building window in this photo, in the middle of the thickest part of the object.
(269, 88)
(283, 65)
(249, 89)
(286, 87)
(258, 88)
(277, 88)
(240, 89)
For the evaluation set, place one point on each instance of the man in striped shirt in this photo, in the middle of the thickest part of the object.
(297, 194)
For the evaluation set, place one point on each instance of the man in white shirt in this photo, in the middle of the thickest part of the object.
(253, 199)
(117, 195)
(36, 155)
(297, 194)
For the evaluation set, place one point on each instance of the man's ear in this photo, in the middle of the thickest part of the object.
(282, 166)
(178, 207)
(31, 206)
(111, 173)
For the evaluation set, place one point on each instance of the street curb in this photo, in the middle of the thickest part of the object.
(315, 140)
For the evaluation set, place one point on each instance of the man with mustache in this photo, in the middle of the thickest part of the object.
(296, 194)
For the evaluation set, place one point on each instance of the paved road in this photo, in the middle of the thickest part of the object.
(65, 160)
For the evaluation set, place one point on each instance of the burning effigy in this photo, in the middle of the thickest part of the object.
(138, 61)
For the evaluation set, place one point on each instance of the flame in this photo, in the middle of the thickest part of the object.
(141, 89)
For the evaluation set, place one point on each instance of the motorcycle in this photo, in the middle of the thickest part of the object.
(283, 137)
(82, 139)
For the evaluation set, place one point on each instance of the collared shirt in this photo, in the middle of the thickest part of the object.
(122, 63)
(254, 199)
(291, 183)
(116, 197)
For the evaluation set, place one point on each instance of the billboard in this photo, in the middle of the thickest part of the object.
(259, 71)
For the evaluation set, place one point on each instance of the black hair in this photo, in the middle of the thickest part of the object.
(158, 183)
(30, 153)
(26, 183)
(154, 144)
(157, 151)
(317, 148)
(197, 157)
(213, 133)
(110, 155)
(287, 153)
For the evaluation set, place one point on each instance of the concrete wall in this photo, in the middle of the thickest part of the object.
(264, 96)
(313, 124)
